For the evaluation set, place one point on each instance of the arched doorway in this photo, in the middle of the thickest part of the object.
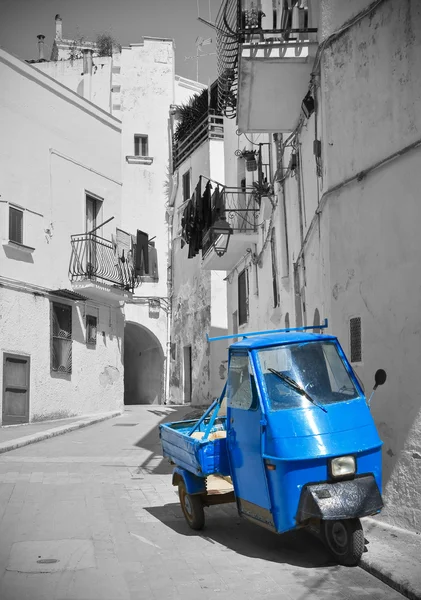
(144, 366)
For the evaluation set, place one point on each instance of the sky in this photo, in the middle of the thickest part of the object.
(127, 21)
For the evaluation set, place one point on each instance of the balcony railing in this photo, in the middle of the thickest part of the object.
(93, 258)
(240, 207)
(250, 24)
(210, 127)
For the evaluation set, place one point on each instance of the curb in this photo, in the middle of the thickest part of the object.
(387, 578)
(49, 433)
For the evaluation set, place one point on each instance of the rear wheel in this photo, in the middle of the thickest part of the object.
(345, 540)
(192, 508)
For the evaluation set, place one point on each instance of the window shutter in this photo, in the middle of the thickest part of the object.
(142, 257)
(15, 225)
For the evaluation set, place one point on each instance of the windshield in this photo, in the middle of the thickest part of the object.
(315, 366)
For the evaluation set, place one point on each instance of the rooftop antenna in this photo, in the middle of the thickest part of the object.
(200, 42)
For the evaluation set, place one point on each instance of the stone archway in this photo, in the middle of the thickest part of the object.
(144, 366)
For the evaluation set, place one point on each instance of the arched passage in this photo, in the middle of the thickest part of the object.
(143, 366)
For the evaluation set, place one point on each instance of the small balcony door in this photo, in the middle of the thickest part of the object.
(93, 219)
(15, 389)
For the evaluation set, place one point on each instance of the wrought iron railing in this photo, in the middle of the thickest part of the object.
(245, 22)
(210, 127)
(94, 258)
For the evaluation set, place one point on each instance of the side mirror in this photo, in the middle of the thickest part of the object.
(379, 378)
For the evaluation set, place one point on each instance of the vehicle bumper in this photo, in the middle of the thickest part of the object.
(348, 499)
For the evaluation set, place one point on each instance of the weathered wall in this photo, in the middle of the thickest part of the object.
(372, 104)
(96, 382)
(194, 289)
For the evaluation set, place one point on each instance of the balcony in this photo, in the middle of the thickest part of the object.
(97, 272)
(241, 208)
(265, 58)
(210, 127)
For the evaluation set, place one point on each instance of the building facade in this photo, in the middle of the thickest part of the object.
(137, 84)
(60, 178)
(335, 87)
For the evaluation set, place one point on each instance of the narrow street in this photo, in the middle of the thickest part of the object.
(92, 515)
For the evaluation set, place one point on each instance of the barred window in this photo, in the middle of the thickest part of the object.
(355, 339)
(91, 328)
(61, 342)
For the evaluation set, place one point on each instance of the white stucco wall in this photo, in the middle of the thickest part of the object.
(54, 149)
(147, 79)
(70, 74)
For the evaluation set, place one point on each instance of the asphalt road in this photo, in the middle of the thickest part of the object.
(92, 515)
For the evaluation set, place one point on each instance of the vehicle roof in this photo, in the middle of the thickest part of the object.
(274, 339)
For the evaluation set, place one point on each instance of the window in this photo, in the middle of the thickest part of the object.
(355, 339)
(243, 300)
(242, 391)
(91, 326)
(61, 342)
(15, 225)
(141, 145)
(186, 185)
(274, 270)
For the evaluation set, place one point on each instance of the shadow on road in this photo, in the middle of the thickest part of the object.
(225, 527)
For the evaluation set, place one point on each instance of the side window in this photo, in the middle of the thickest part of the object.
(61, 334)
(242, 391)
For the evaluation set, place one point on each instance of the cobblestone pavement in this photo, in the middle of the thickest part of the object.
(92, 515)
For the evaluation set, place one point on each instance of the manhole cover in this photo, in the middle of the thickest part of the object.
(125, 424)
(47, 561)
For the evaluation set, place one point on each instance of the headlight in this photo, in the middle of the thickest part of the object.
(342, 466)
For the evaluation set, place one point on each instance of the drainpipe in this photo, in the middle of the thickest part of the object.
(41, 39)
(87, 73)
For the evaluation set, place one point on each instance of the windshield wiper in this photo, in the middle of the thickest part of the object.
(294, 385)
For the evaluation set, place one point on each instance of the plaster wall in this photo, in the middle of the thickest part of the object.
(70, 74)
(147, 80)
(368, 121)
(374, 253)
(25, 329)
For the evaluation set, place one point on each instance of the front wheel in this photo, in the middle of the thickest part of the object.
(345, 540)
(192, 508)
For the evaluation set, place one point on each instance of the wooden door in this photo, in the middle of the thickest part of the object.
(15, 389)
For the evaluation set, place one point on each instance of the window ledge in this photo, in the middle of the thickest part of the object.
(148, 279)
(139, 160)
(16, 246)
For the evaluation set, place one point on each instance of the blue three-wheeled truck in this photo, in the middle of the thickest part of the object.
(291, 440)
